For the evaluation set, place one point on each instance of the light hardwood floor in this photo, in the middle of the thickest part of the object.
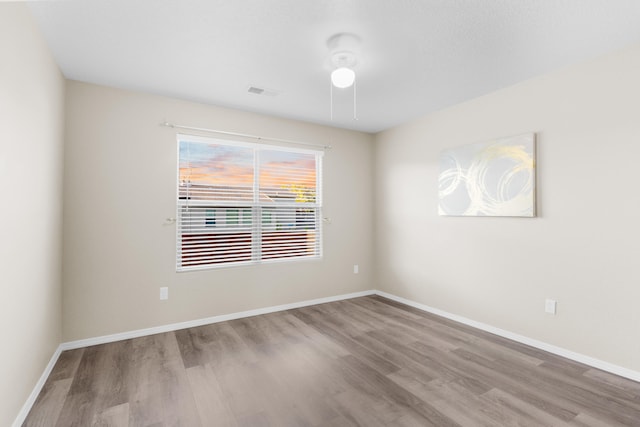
(362, 362)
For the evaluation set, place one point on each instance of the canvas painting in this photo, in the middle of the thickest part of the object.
(495, 178)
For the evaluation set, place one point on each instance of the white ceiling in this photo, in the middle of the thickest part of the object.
(415, 56)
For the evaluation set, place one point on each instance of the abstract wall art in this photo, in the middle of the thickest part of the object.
(495, 178)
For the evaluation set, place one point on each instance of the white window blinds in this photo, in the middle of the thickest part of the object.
(241, 203)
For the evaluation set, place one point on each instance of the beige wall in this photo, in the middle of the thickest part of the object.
(31, 108)
(120, 186)
(582, 249)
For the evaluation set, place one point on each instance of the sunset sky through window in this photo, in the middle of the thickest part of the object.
(213, 164)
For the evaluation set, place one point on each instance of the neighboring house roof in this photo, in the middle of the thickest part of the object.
(227, 193)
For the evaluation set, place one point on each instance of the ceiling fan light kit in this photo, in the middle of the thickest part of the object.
(343, 58)
(342, 48)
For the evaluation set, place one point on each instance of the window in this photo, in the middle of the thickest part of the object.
(210, 219)
(232, 216)
(242, 203)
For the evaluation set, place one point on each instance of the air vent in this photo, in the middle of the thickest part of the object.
(256, 90)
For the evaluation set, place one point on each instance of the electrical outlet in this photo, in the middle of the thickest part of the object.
(356, 269)
(164, 293)
(550, 306)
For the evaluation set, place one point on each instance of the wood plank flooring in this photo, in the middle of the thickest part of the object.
(362, 362)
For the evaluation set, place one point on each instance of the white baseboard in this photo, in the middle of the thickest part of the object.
(22, 415)
(587, 360)
(206, 321)
(578, 357)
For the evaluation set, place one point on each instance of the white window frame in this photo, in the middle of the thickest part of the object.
(256, 207)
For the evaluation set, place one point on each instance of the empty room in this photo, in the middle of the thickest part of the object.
(320, 213)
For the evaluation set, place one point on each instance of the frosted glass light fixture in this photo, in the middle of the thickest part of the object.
(342, 61)
(343, 77)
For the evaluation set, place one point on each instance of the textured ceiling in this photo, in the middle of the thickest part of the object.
(415, 57)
